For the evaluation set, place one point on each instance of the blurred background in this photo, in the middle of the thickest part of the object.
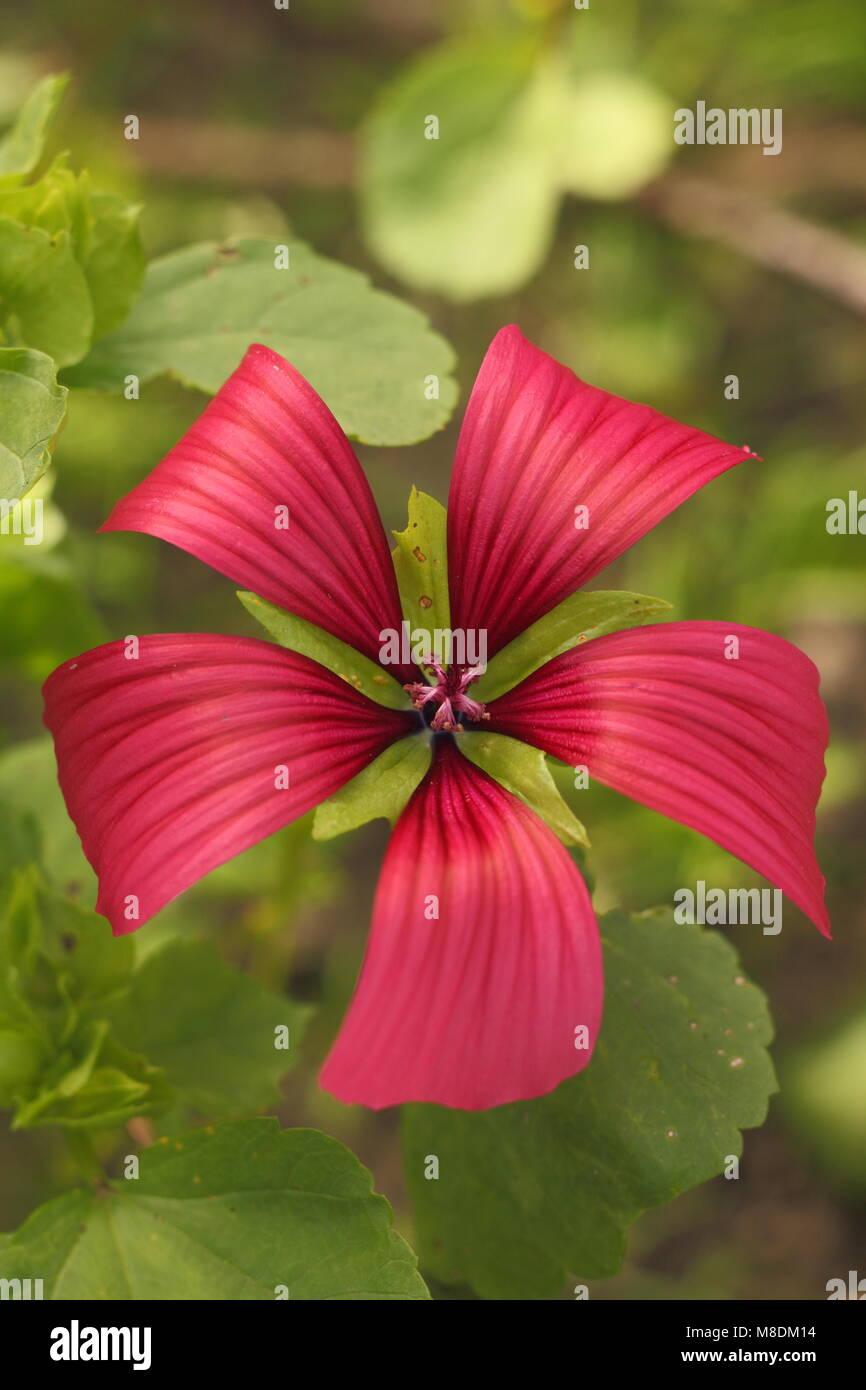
(704, 263)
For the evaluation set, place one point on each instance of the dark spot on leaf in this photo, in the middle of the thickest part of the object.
(425, 602)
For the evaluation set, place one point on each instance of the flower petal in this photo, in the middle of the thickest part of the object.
(536, 443)
(169, 761)
(267, 441)
(733, 747)
(478, 1005)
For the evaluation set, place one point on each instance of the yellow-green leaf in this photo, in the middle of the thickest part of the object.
(21, 146)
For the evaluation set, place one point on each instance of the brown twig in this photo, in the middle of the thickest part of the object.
(713, 208)
(245, 155)
(773, 236)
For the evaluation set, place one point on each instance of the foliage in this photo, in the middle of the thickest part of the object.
(554, 132)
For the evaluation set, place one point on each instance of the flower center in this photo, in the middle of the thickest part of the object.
(446, 706)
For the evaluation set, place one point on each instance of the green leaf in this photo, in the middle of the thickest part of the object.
(533, 1194)
(113, 261)
(466, 155)
(89, 963)
(56, 202)
(21, 1058)
(380, 790)
(210, 1027)
(103, 1088)
(577, 619)
(28, 781)
(25, 1039)
(44, 299)
(45, 617)
(103, 232)
(21, 146)
(421, 564)
(312, 641)
(20, 935)
(107, 1042)
(56, 954)
(469, 213)
(241, 1213)
(523, 770)
(367, 354)
(60, 972)
(613, 134)
(19, 841)
(32, 407)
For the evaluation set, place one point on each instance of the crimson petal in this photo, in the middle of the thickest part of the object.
(536, 443)
(169, 761)
(733, 748)
(480, 1004)
(267, 441)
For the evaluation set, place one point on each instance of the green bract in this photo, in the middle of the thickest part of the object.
(575, 620)
(312, 641)
(523, 770)
(421, 565)
(379, 791)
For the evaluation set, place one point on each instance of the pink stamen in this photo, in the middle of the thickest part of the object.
(449, 693)
(444, 720)
(421, 694)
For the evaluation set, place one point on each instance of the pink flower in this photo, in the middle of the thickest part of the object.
(167, 762)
